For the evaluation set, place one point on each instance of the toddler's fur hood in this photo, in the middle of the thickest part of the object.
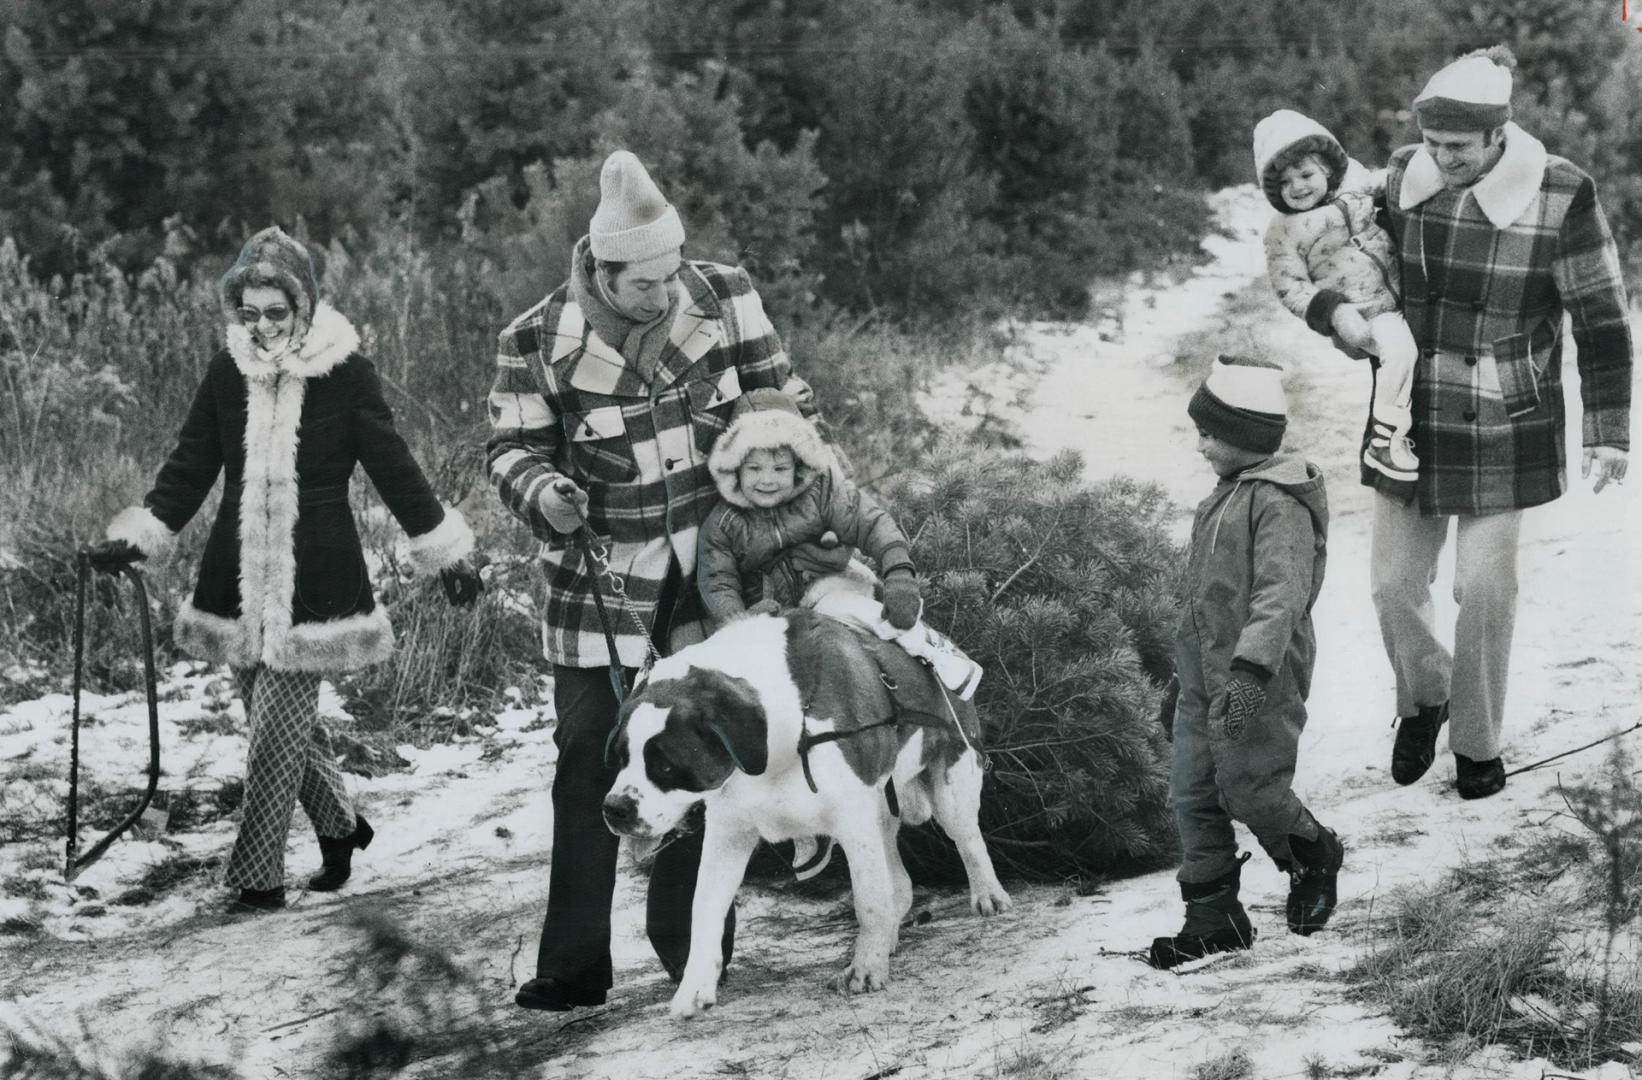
(768, 429)
(1286, 130)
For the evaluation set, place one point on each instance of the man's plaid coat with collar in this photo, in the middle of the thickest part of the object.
(1489, 272)
(565, 403)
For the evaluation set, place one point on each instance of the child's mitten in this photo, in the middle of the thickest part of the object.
(903, 600)
(1245, 697)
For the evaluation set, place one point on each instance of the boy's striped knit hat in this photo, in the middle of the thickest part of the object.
(1471, 94)
(1242, 403)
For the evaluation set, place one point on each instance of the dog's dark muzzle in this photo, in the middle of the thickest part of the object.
(621, 814)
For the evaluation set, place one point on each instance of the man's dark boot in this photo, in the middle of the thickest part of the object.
(1478, 779)
(1416, 745)
(550, 994)
(1215, 922)
(1312, 879)
(337, 856)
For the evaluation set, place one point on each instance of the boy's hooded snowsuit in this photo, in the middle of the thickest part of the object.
(1333, 253)
(740, 540)
(1259, 545)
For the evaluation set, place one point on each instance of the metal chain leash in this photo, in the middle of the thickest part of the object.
(598, 555)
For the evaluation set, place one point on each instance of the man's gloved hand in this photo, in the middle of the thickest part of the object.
(112, 556)
(818, 558)
(903, 600)
(765, 607)
(1245, 697)
(563, 503)
(462, 583)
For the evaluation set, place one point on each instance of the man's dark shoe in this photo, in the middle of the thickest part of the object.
(1312, 880)
(1215, 923)
(1478, 779)
(556, 995)
(1416, 746)
(251, 901)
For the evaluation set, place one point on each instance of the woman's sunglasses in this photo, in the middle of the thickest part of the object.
(250, 316)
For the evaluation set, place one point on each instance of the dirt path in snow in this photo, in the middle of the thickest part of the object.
(1050, 990)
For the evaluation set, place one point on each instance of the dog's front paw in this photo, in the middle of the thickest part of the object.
(865, 976)
(692, 999)
(991, 900)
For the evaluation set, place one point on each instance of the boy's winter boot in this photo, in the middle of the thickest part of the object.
(952, 666)
(1312, 877)
(1215, 922)
(337, 856)
(1391, 453)
(1416, 745)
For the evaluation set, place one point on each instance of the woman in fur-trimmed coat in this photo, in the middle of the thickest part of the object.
(283, 597)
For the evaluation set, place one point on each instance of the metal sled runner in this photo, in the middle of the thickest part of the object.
(76, 862)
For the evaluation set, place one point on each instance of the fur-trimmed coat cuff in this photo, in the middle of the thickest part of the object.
(443, 545)
(138, 526)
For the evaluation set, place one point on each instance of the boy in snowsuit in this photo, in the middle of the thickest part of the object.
(1335, 267)
(1244, 653)
(782, 486)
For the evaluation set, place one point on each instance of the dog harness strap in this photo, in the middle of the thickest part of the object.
(806, 742)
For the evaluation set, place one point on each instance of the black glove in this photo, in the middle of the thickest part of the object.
(903, 600)
(462, 583)
(1245, 697)
(818, 558)
(1171, 701)
(112, 556)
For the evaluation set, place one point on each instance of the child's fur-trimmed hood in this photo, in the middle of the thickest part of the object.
(768, 429)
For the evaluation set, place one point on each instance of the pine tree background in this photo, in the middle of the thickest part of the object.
(1065, 592)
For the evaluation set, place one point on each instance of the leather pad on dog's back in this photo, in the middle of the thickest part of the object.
(841, 674)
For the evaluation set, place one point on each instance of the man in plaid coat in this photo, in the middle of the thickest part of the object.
(608, 396)
(1499, 240)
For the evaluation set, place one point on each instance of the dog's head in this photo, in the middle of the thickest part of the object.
(678, 739)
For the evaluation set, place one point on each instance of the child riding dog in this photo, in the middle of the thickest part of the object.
(782, 486)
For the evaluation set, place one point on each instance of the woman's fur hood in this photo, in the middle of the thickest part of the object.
(767, 429)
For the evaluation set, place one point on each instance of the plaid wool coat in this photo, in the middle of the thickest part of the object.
(565, 403)
(1488, 273)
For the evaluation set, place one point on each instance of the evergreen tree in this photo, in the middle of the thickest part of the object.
(1066, 593)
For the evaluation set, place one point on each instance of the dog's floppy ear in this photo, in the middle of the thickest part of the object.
(729, 709)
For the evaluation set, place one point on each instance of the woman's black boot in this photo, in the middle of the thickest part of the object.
(337, 855)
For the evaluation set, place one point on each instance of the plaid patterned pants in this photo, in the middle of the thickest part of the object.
(289, 760)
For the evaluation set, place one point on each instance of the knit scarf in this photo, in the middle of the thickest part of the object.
(640, 344)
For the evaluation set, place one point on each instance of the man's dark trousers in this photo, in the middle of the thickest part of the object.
(575, 944)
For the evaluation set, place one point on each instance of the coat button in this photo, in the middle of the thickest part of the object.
(670, 462)
(1469, 414)
(1470, 361)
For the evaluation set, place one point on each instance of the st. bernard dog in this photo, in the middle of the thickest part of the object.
(721, 722)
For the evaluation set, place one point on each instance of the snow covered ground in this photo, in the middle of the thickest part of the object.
(1051, 989)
